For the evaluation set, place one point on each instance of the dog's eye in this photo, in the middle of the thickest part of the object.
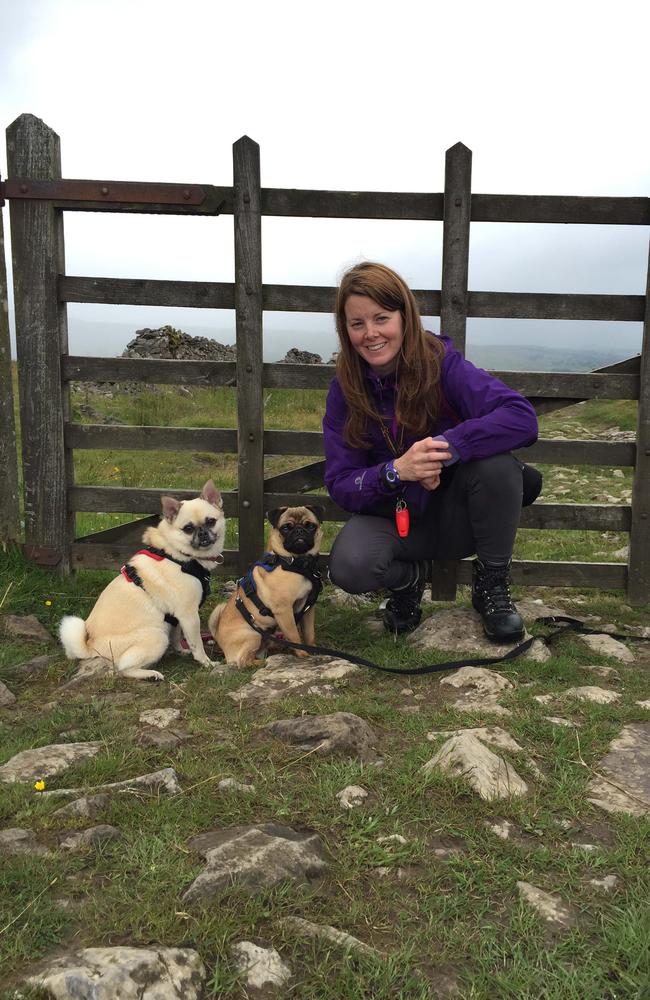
(310, 526)
(189, 529)
(286, 528)
(210, 522)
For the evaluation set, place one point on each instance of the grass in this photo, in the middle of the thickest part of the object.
(459, 918)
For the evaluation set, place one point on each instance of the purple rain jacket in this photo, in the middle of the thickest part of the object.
(479, 417)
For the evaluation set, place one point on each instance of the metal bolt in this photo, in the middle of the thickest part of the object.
(247, 198)
(249, 289)
(103, 190)
(458, 202)
(246, 503)
(644, 516)
(249, 368)
(251, 437)
(647, 451)
(24, 189)
(186, 194)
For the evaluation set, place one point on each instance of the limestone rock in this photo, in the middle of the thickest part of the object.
(488, 734)
(260, 967)
(25, 627)
(550, 907)
(455, 630)
(305, 928)
(160, 718)
(342, 732)
(607, 646)
(161, 739)
(7, 698)
(488, 774)
(19, 841)
(597, 695)
(628, 766)
(284, 675)
(91, 837)
(87, 807)
(37, 664)
(539, 652)
(229, 784)
(352, 796)
(123, 974)
(161, 781)
(480, 688)
(607, 882)
(45, 762)
(255, 858)
(557, 721)
(168, 343)
(295, 356)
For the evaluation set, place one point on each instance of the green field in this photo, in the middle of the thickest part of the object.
(438, 920)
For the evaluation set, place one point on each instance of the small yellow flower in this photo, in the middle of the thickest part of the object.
(48, 604)
(116, 468)
(39, 785)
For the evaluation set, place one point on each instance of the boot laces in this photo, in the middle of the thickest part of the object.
(495, 589)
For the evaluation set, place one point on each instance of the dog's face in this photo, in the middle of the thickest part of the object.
(296, 530)
(195, 529)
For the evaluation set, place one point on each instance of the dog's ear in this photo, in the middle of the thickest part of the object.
(170, 508)
(211, 494)
(317, 510)
(275, 515)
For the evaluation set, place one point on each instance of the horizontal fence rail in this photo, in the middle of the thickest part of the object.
(208, 199)
(320, 299)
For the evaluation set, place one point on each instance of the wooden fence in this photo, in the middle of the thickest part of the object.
(38, 199)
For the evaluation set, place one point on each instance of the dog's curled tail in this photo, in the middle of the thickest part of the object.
(74, 638)
(213, 620)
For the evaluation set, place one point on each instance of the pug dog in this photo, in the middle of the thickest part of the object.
(294, 541)
(156, 598)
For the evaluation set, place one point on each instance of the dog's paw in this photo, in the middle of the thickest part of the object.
(155, 676)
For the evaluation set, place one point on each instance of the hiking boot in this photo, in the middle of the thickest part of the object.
(491, 598)
(403, 612)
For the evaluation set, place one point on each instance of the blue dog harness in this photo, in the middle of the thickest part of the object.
(306, 566)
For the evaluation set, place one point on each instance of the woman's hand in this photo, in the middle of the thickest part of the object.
(422, 463)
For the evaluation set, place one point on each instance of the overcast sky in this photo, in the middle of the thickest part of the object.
(348, 94)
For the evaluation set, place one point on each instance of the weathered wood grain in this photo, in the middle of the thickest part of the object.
(248, 304)
(638, 590)
(455, 244)
(33, 150)
(9, 502)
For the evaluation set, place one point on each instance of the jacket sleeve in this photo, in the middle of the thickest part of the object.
(494, 418)
(351, 481)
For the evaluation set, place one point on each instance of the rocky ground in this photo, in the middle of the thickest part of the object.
(481, 751)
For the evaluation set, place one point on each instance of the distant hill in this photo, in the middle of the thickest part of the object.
(539, 358)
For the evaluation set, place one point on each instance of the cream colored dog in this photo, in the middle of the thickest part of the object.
(158, 593)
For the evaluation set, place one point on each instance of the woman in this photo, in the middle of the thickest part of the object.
(415, 433)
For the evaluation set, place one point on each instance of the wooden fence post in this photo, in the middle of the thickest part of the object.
(248, 305)
(638, 579)
(34, 151)
(453, 299)
(9, 506)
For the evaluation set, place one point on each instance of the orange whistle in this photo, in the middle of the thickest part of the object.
(402, 519)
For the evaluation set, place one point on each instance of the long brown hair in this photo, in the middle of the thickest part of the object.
(417, 399)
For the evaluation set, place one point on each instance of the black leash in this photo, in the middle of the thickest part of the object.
(561, 623)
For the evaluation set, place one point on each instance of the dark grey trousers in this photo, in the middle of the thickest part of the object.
(475, 510)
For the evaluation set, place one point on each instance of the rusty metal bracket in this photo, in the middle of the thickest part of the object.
(125, 192)
(42, 555)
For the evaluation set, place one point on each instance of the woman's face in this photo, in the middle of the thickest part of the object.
(376, 334)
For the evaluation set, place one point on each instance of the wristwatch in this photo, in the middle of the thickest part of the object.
(389, 476)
